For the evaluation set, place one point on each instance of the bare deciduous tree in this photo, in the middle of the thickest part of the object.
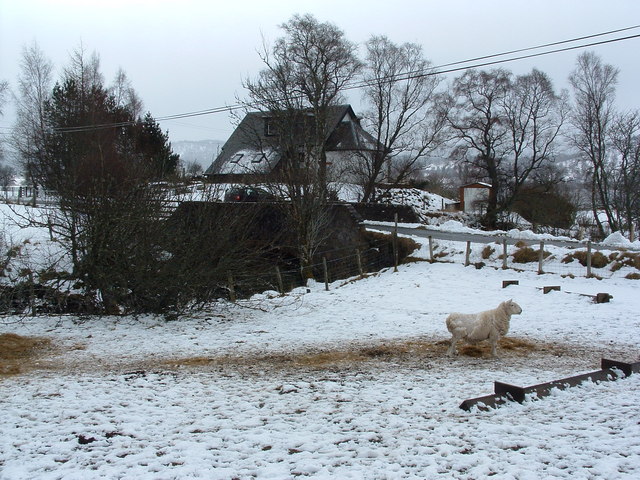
(594, 87)
(305, 73)
(625, 171)
(308, 68)
(192, 168)
(84, 70)
(403, 118)
(534, 115)
(34, 90)
(478, 123)
(4, 91)
(125, 95)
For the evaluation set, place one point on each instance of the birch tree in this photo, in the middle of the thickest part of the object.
(4, 92)
(625, 171)
(34, 91)
(400, 89)
(594, 88)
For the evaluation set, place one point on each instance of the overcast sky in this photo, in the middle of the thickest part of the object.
(191, 55)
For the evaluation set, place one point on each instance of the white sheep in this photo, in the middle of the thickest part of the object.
(476, 327)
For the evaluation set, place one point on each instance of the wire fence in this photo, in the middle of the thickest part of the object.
(581, 260)
(27, 195)
(353, 262)
(335, 264)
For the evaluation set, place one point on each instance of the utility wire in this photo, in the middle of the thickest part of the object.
(610, 32)
(430, 71)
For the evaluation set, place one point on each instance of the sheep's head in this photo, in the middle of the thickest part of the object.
(512, 307)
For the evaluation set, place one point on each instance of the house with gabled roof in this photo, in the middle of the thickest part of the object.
(252, 153)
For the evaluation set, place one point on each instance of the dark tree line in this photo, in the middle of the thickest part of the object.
(87, 143)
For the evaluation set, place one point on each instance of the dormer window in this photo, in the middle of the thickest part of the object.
(258, 158)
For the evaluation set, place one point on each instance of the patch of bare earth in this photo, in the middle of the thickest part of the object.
(19, 355)
(400, 353)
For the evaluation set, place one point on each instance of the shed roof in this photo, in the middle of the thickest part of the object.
(477, 185)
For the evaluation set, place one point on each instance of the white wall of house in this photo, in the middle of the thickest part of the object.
(342, 166)
(475, 200)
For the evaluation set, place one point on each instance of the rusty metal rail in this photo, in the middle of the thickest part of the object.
(504, 392)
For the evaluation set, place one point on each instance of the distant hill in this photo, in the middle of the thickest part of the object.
(568, 163)
(201, 151)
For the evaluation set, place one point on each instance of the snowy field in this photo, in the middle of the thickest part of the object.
(351, 383)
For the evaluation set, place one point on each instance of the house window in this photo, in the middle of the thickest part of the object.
(269, 127)
(258, 157)
(236, 158)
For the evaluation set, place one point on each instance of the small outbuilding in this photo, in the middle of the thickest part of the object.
(474, 197)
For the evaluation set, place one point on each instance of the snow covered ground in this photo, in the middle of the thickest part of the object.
(351, 383)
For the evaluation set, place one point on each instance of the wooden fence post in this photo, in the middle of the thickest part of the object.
(431, 248)
(504, 254)
(326, 273)
(588, 258)
(466, 257)
(395, 243)
(280, 282)
(303, 276)
(541, 258)
(232, 289)
(32, 295)
(359, 260)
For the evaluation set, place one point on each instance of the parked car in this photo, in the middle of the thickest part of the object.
(247, 194)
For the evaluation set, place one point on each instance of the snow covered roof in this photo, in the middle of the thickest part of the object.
(255, 134)
(477, 185)
(249, 161)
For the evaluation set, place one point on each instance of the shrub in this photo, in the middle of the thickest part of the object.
(487, 252)
(37, 298)
(626, 259)
(633, 276)
(528, 254)
(541, 206)
(598, 260)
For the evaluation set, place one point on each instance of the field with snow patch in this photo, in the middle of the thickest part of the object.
(349, 383)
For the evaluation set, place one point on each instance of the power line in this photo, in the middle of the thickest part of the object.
(431, 71)
(552, 44)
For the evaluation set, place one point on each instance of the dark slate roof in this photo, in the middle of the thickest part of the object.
(248, 148)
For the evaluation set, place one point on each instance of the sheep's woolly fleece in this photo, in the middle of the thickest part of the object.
(486, 325)
(267, 388)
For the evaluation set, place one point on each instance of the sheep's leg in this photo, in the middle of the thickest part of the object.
(494, 343)
(452, 347)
